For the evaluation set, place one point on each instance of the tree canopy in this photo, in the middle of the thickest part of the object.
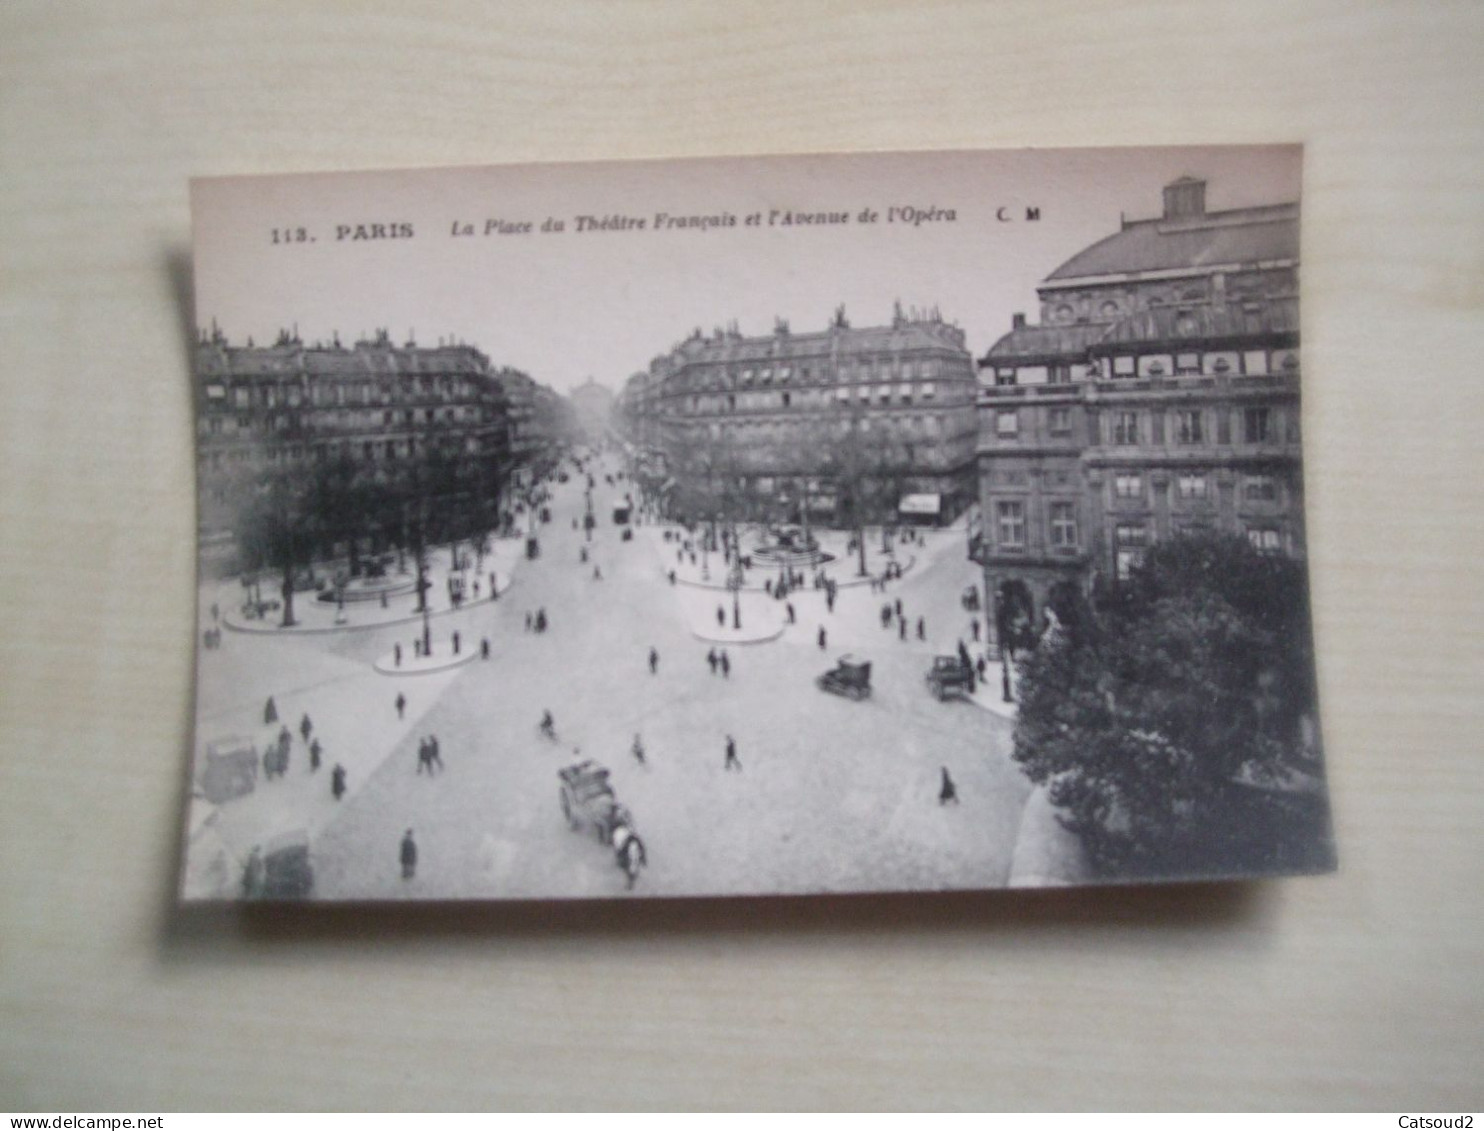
(1172, 719)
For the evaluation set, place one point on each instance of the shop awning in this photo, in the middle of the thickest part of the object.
(921, 504)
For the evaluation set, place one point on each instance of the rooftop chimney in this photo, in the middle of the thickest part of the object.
(1185, 198)
(1017, 321)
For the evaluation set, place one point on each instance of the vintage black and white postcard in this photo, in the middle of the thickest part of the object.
(901, 522)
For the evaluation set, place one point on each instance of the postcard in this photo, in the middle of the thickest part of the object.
(763, 526)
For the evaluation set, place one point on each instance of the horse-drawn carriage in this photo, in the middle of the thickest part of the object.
(849, 677)
(589, 804)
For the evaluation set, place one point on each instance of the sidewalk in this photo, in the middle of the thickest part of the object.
(710, 570)
(1046, 853)
(400, 607)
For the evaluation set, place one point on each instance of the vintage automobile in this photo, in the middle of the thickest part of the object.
(970, 599)
(950, 678)
(231, 769)
(849, 677)
(621, 514)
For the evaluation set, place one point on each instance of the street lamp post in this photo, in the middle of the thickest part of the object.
(734, 583)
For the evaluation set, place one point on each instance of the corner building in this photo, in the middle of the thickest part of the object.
(840, 425)
(288, 408)
(1158, 394)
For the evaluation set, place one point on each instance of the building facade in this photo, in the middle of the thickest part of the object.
(288, 412)
(592, 404)
(540, 424)
(836, 425)
(1158, 394)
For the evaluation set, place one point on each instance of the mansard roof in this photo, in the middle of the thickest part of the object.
(1210, 239)
(366, 359)
(900, 337)
(1045, 344)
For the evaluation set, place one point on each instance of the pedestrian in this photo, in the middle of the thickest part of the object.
(254, 874)
(216, 612)
(484, 647)
(902, 629)
(654, 662)
(921, 629)
(408, 856)
(528, 622)
(401, 702)
(899, 606)
(979, 666)
(672, 577)
(713, 660)
(829, 600)
(434, 756)
(948, 792)
(638, 750)
(383, 598)
(886, 616)
(397, 654)
(455, 643)
(821, 638)
(337, 781)
(974, 628)
(314, 752)
(422, 757)
(726, 665)
(768, 586)
(790, 608)
(731, 759)
(270, 713)
(597, 573)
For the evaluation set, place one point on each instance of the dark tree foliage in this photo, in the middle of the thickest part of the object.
(1167, 717)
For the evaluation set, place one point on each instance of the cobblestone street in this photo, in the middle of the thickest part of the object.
(833, 794)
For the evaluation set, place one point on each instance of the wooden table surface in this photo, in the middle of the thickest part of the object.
(1363, 990)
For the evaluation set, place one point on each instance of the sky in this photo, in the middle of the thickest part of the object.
(348, 253)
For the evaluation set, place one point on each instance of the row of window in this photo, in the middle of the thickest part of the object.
(345, 420)
(1010, 525)
(1187, 427)
(366, 450)
(1130, 539)
(1195, 486)
(877, 369)
(1249, 363)
(325, 392)
(806, 432)
(883, 396)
